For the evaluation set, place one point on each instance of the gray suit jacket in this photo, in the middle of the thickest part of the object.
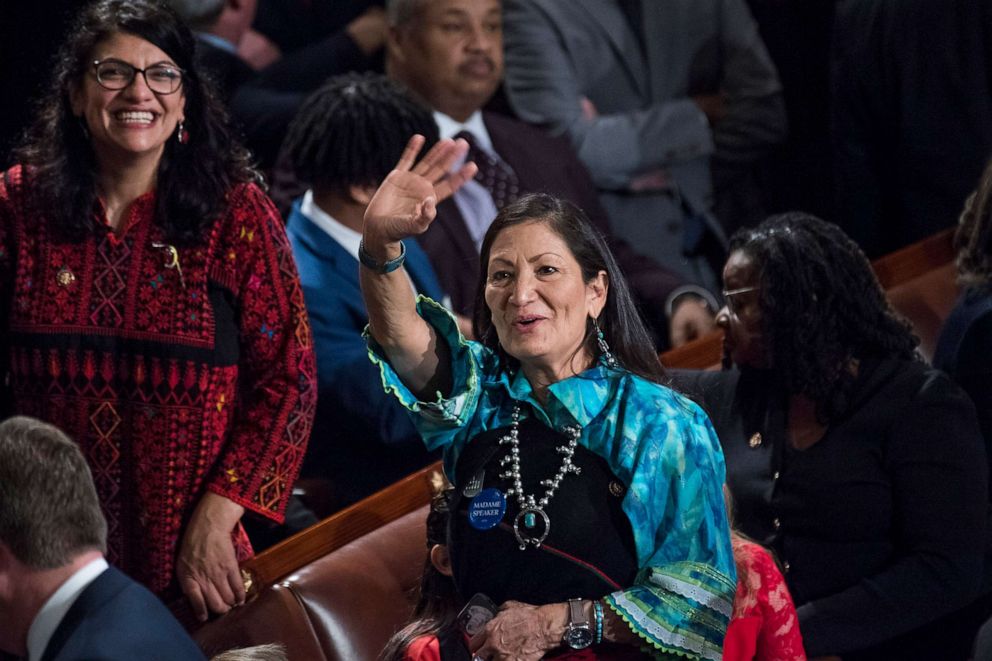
(559, 51)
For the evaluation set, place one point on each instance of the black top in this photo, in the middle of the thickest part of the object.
(589, 551)
(881, 525)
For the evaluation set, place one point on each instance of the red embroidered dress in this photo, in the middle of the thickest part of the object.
(171, 382)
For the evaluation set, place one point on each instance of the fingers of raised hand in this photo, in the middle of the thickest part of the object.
(447, 186)
(438, 161)
(409, 155)
(426, 211)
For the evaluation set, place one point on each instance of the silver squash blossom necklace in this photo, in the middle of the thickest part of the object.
(528, 534)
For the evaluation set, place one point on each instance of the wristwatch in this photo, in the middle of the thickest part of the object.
(578, 634)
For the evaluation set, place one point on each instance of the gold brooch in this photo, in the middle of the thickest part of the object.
(755, 440)
(65, 277)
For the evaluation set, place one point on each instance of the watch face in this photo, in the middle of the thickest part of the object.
(578, 637)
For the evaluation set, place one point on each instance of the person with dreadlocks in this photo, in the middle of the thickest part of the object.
(857, 464)
(964, 349)
(344, 142)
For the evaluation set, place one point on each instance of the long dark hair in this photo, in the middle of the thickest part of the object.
(438, 601)
(821, 307)
(622, 327)
(973, 239)
(193, 179)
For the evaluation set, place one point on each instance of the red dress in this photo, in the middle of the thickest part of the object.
(764, 625)
(171, 385)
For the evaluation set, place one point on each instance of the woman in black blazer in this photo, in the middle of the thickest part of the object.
(860, 466)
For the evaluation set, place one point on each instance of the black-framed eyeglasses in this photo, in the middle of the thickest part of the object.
(729, 294)
(116, 75)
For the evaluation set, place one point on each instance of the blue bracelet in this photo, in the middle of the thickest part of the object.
(597, 608)
(370, 262)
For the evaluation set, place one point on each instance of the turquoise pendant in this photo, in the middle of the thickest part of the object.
(530, 520)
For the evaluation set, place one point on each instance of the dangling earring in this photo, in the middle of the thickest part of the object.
(84, 128)
(182, 135)
(604, 348)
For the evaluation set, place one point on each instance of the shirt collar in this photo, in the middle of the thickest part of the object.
(582, 397)
(344, 235)
(218, 42)
(449, 128)
(50, 616)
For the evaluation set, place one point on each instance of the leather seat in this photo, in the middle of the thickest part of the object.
(345, 605)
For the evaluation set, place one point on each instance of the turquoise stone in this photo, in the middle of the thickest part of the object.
(529, 520)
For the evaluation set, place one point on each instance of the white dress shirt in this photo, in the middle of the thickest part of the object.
(50, 616)
(346, 237)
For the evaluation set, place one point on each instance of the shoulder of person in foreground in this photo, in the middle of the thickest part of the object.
(115, 618)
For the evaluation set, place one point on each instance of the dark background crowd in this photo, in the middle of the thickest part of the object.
(888, 102)
(677, 129)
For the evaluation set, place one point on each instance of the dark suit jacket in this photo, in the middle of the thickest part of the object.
(115, 618)
(263, 103)
(543, 164)
(226, 69)
(363, 439)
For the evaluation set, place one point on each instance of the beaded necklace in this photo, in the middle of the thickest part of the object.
(530, 507)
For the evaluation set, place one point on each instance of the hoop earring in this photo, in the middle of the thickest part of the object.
(604, 348)
(182, 135)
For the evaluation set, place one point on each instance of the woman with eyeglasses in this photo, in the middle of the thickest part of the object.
(150, 307)
(861, 467)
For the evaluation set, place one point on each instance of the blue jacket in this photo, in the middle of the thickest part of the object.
(115, 618)
(363, 439)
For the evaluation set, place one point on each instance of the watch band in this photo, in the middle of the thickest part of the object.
(578, 634)
(389, 266)
(576, 613)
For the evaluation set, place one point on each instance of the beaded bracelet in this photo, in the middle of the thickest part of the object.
(389, 266)
(597, 607)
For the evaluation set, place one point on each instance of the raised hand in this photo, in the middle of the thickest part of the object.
(406, 202)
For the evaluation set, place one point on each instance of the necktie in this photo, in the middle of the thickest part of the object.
(495, 176)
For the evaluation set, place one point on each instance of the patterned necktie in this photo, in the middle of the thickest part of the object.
(495, 176)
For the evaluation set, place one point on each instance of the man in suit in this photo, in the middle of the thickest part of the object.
(59, 600)
(346, 139)
(264, 102)
(669, 103)
(450, 53)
